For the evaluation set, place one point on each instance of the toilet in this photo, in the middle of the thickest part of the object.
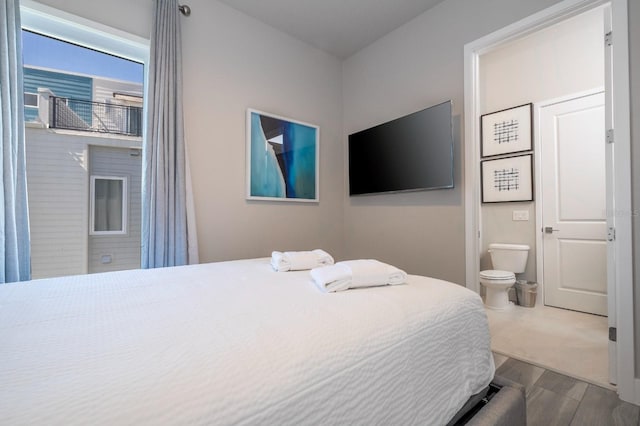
(507, 260)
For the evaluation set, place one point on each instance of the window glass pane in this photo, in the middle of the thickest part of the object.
(46, 52)
(108, 205)
(31, 100)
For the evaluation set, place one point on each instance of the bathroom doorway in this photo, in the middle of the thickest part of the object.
(619, 273)
(565, 224)
(555, 69)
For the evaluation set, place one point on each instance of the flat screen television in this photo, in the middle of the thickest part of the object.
(411, 153)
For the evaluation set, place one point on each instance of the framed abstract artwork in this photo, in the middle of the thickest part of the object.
(507, 179)
(507, 131)
(282, 158)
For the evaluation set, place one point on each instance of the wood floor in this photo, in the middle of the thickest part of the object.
(555, 399)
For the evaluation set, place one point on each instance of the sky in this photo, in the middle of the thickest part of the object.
(42, 51)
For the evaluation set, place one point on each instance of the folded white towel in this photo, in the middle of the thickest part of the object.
(357, 273)
(333, 277)
(300, 260)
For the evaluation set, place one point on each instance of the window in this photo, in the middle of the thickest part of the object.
(108, 205)
(78, 198)
(30, 100)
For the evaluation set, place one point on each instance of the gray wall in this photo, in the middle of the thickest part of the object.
(417, 65)
(232, 62)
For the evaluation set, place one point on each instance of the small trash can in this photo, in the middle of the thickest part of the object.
(526, 292)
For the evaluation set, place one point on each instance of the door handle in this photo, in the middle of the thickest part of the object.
(549, 230)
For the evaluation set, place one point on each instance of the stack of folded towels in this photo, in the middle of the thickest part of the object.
(357, 273)
(300, 260)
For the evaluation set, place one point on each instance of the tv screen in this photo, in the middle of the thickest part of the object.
(411, 153)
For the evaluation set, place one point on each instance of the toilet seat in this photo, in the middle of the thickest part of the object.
(497, 275)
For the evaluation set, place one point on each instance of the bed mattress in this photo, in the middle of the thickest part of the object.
(237, 343)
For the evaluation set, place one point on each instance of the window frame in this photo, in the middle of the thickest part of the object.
(60, 24)
(92, 205)
(64, 26)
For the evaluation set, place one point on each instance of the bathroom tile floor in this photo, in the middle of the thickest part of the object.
(571, 343)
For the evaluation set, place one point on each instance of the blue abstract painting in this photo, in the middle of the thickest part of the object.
(282, 157)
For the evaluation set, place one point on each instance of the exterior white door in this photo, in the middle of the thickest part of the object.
(573, 169)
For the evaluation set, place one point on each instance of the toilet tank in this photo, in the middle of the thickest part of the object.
(509, 257)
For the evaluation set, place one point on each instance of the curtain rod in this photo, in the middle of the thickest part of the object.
(184, 9)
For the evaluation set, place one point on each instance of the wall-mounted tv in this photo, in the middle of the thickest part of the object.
(411, 153)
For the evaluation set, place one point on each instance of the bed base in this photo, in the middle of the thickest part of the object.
(502, 403)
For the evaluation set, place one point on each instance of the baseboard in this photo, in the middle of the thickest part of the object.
(633, 394)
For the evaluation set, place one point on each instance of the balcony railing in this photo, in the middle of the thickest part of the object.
(76, 114)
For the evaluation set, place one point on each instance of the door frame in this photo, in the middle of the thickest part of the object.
(621, 290)
(537, 108)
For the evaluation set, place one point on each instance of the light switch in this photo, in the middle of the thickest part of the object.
(520, 215)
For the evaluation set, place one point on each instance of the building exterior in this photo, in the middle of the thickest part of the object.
(83, 148)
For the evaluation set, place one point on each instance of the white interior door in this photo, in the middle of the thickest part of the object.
(572, 144)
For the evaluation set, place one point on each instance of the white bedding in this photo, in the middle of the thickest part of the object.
(237, 343)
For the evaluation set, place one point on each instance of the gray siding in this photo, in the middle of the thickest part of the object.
(57, 182)
(124, 250)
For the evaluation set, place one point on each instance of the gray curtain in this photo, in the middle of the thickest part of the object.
(164, 210)
(14, 219)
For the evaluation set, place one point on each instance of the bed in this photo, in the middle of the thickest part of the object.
(237, 343)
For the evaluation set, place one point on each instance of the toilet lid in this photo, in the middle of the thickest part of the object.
(495, 274)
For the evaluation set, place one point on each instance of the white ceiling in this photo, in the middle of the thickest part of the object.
(340, 27)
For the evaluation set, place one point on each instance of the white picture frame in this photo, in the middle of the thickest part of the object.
(283, 159)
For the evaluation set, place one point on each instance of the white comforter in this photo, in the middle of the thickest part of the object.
(237, 343)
